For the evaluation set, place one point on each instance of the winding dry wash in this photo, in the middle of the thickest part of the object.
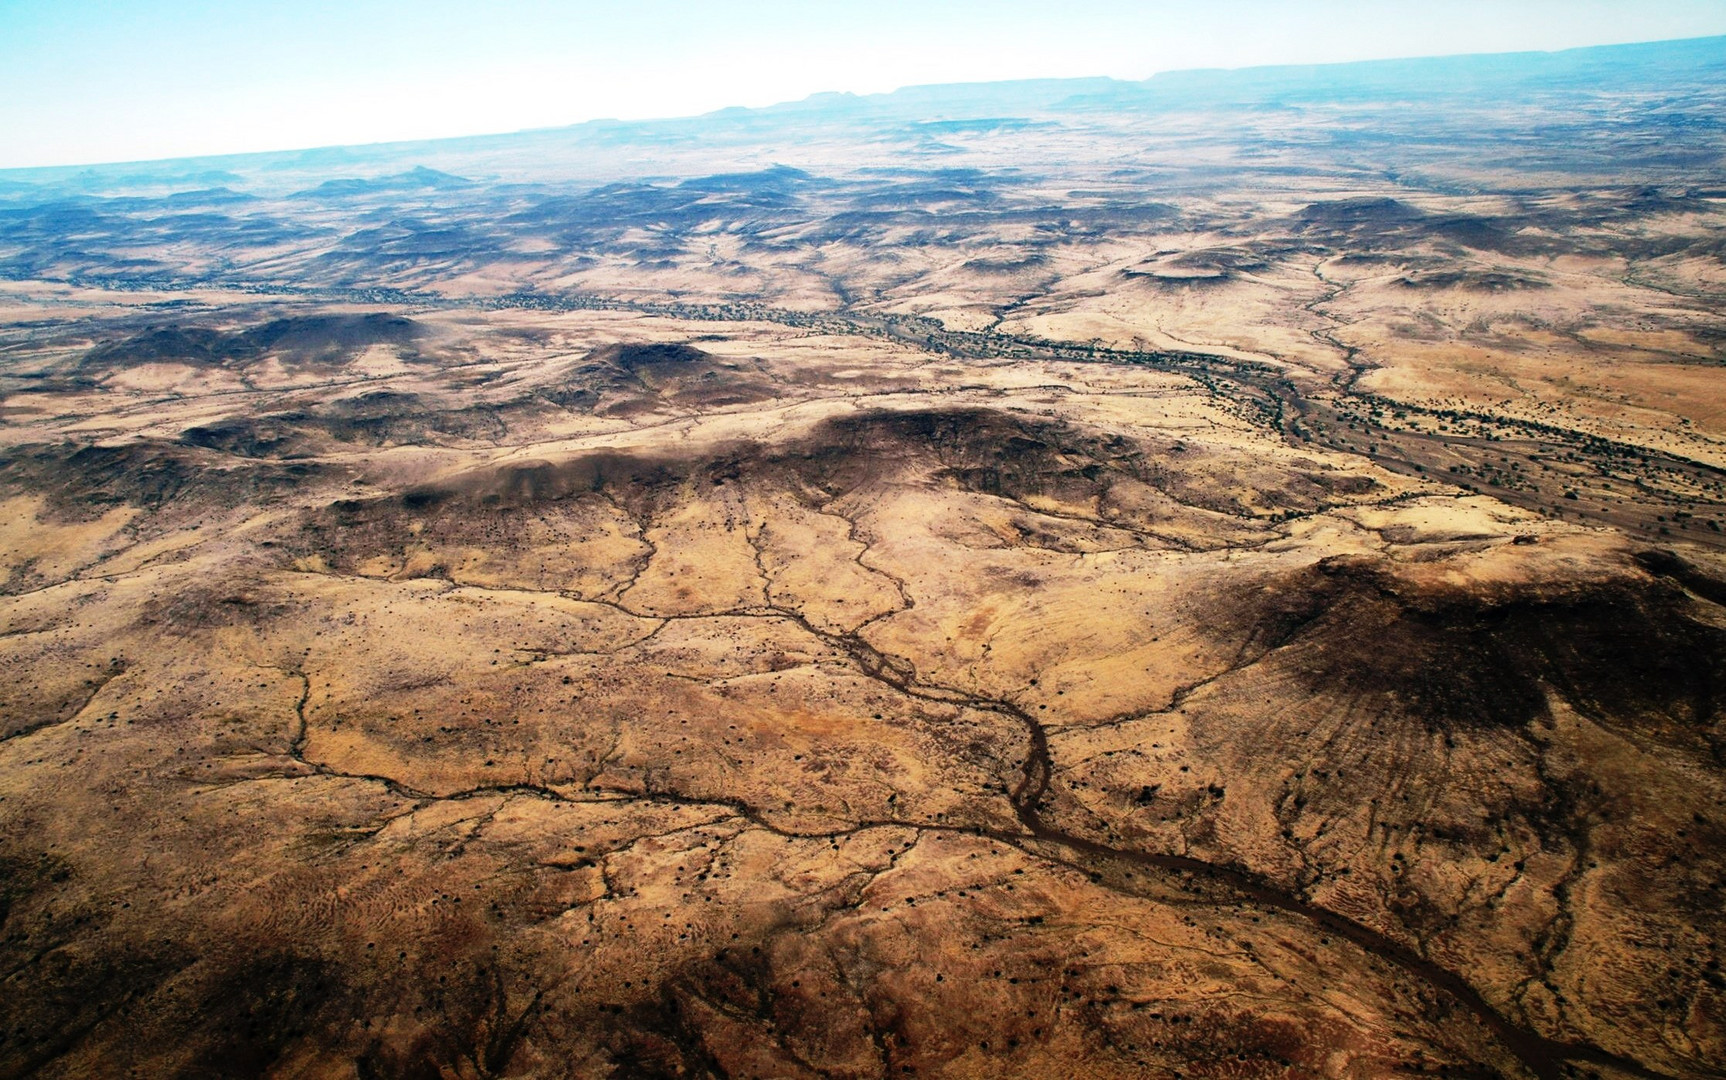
(1215, 577)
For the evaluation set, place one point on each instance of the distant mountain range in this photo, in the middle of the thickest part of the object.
(925, 112)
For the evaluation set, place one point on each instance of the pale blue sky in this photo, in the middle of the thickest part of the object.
(89, 81)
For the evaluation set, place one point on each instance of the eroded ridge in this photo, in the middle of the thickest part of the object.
(1144, 582)
(659, 756)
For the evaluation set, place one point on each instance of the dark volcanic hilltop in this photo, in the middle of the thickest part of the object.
(1212, 577)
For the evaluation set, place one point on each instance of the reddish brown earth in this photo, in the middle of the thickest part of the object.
(1182, 589)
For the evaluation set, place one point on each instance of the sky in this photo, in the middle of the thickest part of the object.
(87, 81)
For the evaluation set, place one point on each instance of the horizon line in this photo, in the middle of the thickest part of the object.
(732, 109)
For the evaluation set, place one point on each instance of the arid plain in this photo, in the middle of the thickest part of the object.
(1217, 577)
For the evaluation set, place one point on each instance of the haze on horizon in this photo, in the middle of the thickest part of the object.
(85, 83)
(1217, 576)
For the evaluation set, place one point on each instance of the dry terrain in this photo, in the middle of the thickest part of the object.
(1216, 577)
